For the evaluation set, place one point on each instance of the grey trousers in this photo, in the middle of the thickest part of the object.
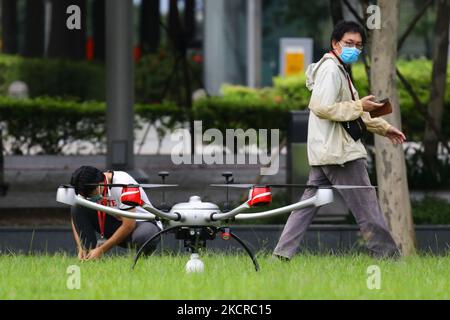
(363, 204)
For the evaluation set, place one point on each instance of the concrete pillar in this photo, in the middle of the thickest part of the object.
(224, 43)
(254, 42)
(119, 84)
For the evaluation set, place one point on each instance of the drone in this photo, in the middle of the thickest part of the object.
(196, 222)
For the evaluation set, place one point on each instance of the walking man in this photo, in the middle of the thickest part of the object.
(337, 121)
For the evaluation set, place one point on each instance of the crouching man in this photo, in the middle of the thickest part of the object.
(114, 231)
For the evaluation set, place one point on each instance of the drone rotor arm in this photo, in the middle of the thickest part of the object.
(270, 213)
(322, 197)
(230, 214)
(162, 214)
(79, 200)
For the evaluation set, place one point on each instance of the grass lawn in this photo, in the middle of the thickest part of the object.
(225, 277)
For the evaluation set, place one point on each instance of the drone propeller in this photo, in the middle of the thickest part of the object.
(144, 186)
(237, 185)
(332, 186)
(249, 185)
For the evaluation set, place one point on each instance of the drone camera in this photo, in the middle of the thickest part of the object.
(131, 196)
(259, 196)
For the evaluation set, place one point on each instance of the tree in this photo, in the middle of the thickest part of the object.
(390, 159)
(98, 26)
(175, 29)
(424, 27)
(336, 11)
(34, 28)
(65, 43)
(189, 20)
(438, 85)
(150, 33)
(9, 26)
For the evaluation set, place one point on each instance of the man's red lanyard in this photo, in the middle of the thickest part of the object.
(102, 215)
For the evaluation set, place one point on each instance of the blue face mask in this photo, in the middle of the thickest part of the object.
(349, 54)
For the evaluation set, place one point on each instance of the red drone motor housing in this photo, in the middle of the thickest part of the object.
(259, 196)
(131, 196)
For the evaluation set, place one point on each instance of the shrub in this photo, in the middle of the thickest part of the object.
(241, 112)
(77, 80)
(158, 77)
(431, 210)
(84, 80)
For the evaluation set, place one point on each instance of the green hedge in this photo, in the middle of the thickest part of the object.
(244, 113)
(431, 210)
(51, 123)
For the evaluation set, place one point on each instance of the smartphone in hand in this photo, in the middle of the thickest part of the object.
(383, 110)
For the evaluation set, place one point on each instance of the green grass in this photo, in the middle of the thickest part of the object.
(225, 277)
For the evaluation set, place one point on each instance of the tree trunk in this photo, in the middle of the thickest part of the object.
(390, 160)
(438, 84)
(150, 33)
(65, 43)
(336, 11)
(98, 26)
(9, 26)
(175, 31)
(34, 28)
(189, 20)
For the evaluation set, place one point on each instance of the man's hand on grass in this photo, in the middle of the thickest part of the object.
(82, 254)
(94, 254)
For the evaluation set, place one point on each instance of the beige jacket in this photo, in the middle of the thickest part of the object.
(331, 102)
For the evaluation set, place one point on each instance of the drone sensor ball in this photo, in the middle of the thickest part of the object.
(195, 264)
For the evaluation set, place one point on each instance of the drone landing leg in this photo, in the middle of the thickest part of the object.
(141, 249)
(247, 249)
